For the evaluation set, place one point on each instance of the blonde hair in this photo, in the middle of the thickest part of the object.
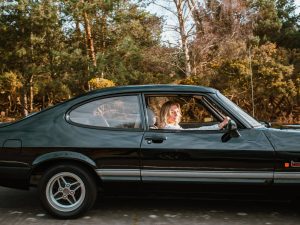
(165, 112)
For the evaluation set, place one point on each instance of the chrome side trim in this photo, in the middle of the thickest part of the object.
(197, 176)
(287, 177)
(206, 176)
(119, 174)
(183, 176)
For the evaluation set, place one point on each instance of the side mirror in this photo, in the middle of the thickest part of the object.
(231, 131)
(266, 124)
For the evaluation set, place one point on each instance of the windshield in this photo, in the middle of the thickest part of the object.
(253, 122)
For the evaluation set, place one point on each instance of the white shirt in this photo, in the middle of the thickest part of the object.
(178, 127)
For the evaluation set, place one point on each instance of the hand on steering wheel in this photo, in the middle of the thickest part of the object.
(224, 123)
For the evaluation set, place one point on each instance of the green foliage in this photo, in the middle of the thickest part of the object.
(9, 82)
(50, 92)
(275, 87)
(268, 24)
(45, 57)
(277, 21)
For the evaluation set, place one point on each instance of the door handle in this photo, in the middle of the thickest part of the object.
(155, 139)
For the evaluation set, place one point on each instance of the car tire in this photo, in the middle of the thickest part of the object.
(67, 191)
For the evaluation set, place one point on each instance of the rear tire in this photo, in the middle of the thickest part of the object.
(67, 191)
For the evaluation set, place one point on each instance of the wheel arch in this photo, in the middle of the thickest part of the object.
(45, 161)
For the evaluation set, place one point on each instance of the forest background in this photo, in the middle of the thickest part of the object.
(52, 50)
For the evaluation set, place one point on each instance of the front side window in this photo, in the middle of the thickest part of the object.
(115, 112)
(194, 111)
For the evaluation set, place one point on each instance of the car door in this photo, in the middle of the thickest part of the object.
(200, 156)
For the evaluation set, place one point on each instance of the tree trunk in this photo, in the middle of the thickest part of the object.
(24, 101)
(43, 101)
(89, 38)
(10, 102)
(31, 94)
(103, 36)
(183, 35)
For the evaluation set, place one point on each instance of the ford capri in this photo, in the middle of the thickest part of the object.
(110, 138)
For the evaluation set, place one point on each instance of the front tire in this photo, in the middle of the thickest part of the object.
(67, 191)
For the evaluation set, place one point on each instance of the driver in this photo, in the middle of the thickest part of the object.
(170, 116)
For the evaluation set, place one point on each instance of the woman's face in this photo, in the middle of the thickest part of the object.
(174, 115)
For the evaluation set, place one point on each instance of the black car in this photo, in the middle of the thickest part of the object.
(109, 137)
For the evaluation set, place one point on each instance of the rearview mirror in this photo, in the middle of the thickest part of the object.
(231, 131)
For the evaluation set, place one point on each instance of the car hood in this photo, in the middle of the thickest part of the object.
(286, 140)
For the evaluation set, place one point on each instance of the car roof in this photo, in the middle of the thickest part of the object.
(153, 88)
(133, 89)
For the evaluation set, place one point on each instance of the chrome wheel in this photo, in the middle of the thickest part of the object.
(65, 191)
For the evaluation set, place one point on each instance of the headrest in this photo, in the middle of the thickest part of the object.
(151, 117)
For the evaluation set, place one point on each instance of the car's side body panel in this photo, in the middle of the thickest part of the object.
(287, 155)
(200, 156)
(14, 174)
(284, 140)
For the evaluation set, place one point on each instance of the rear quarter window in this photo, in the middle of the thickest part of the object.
(114, 112)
